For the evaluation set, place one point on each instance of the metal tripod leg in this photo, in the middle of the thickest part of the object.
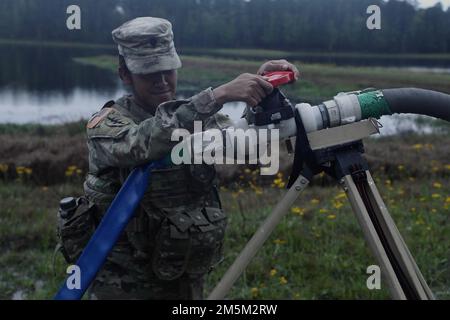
(399, 269)
(258, 239)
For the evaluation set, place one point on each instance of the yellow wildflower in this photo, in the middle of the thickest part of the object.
(331, 216)
(69, 173)
(277, 181)
(283, 280)
(337, 204)
(298, 210)
(437, 185)
(20, 170)
(279, 241)
(315, 201)
(254, 291)
(273, 272)
(420, 221)
(323, 210)
(435, 195)
(340, 196)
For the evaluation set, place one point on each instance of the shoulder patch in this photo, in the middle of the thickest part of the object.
(95, 120)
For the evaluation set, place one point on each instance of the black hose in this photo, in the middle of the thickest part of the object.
(418, 101)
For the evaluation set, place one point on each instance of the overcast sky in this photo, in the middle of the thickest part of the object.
(430, 3)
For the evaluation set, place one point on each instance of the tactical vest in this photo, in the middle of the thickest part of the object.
(179, 226)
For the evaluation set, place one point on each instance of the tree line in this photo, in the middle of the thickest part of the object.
(300, 25)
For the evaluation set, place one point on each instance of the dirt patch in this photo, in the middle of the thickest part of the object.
(53, 159)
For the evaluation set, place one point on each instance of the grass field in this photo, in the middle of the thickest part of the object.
(317, 252)
(317, 81)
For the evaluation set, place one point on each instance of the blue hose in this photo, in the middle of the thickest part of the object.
(111, 226)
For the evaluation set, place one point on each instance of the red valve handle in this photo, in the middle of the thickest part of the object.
(278, 78)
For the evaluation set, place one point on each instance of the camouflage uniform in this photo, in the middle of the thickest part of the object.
(177, 233)
(126, 137)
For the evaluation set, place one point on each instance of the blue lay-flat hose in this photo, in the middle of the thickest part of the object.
(111, 226)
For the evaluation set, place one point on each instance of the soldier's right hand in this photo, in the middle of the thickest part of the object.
(249, 88)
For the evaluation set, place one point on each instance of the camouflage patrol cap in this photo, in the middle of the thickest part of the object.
(147, 45)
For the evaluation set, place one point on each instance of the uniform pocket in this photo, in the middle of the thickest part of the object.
(206, 240)
(172, 247)
(75, 230)
(190, 241)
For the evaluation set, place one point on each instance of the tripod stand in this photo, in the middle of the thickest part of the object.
(338, 152)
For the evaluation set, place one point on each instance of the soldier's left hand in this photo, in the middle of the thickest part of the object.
(278, 65)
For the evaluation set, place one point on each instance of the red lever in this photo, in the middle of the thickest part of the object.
(279, 78)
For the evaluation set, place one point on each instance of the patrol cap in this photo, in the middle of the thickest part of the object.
(146, 43)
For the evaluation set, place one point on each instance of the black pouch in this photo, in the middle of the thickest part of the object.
(75, 227)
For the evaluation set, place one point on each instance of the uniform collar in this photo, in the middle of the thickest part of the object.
(133, 110)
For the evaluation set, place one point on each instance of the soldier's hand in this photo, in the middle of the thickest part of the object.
(249, 88)
(278, 65)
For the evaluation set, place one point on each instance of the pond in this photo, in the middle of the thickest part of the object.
(44, 85)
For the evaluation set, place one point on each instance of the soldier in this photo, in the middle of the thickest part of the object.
(176, 235)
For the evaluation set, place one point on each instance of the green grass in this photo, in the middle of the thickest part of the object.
(320, 252)
(283, 54)
(34, 129)
(55, 44)
(318, 81)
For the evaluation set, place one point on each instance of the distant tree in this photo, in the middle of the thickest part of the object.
(315, 25)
